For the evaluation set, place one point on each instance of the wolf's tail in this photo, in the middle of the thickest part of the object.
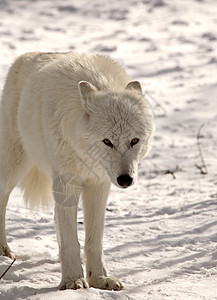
(36, 188)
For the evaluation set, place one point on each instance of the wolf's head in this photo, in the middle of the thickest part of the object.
(120, 127)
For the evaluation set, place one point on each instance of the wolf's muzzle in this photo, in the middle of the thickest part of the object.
(124, 180)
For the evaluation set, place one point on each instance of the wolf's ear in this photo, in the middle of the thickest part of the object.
(86, 90)
(134, 85)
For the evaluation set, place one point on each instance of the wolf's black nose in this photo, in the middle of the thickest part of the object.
(124, 180)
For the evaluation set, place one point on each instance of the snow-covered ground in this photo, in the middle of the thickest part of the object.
(161, 235)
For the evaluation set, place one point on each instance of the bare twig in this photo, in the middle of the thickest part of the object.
(7, 269)
(203, 167)
(170, 172)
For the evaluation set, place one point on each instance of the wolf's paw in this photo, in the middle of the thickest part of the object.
(5, 251)
(74, 284)
(105, 283)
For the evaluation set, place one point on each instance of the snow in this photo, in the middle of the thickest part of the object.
(160, 235)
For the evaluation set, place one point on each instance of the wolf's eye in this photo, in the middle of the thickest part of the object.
(108, 143)
(134, 142)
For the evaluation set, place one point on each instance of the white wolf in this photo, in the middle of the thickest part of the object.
(72, 124)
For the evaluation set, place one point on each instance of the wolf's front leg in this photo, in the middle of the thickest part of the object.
(66, 195)
(94, 203)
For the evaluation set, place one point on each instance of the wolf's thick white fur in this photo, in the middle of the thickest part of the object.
(71, 123)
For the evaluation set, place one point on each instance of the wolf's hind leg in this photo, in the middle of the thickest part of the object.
(4, 249)
(13, 166)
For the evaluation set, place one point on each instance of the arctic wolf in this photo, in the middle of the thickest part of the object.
(71, 124)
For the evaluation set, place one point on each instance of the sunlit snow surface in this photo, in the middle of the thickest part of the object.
(161, 235)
